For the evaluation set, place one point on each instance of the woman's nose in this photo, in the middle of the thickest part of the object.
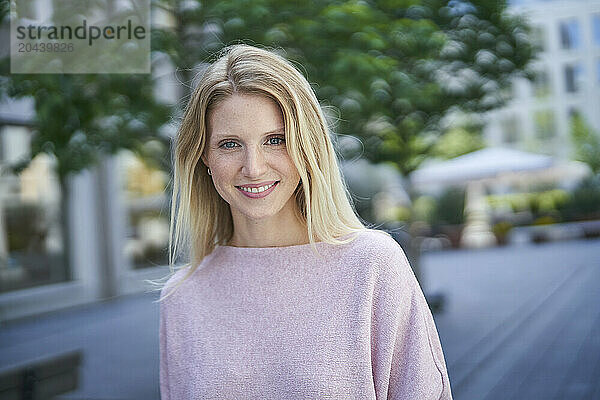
(254, 164)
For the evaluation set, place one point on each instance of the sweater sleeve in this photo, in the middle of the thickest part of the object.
(407, 358)
(164, 371)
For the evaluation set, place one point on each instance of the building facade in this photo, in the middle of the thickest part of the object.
(100, 236)
(567, 82)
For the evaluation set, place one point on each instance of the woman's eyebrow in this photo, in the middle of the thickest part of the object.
(282, 130)
(219, 136)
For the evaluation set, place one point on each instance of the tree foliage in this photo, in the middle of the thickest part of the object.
(392, 68)
(79, 118)
(457, 141)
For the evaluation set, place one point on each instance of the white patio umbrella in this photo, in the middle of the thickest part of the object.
(481, 164)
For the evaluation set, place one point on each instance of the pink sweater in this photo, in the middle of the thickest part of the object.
(282, 323)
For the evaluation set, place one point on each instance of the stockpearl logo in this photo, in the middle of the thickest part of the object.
(80, 36)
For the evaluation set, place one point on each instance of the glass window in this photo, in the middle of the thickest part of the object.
(538, 37)
(541, 84)
(146, 200)
(544, 124)
(31, 223)
(596, 28)
(573, 77)
(569, 34)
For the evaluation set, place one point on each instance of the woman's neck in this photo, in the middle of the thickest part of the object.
(284, 233)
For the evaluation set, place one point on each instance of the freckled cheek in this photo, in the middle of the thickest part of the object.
(223, 171)
(284, 166)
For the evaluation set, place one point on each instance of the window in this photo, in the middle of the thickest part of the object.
(538, 37)
(541, 84)
(544, 124)
(510, 129)
(573, 78)
(569, 34)
(32, 251)
(146, 244)
(596, 29)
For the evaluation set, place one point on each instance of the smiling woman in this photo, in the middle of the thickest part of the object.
(286, 293)
(253, 120)
(254, 165)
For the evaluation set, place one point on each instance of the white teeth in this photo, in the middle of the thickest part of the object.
(256, 190)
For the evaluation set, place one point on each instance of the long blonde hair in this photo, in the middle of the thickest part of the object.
(200, 218)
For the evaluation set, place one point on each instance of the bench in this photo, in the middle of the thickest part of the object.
(41, 378)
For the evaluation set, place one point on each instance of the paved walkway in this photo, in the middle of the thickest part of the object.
(119, 339)
(519, 323)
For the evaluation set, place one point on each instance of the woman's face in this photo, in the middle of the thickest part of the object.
(246, 152)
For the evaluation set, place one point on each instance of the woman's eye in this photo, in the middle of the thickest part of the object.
(228, 145)
(274, 141)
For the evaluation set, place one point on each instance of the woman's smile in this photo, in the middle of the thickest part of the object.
(255, 192)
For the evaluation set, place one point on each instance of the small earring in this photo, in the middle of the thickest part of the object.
(210, 173)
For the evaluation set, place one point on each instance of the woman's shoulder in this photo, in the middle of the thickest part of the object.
(375, 243)
(185, 275)
(382, 255)
(176, 280)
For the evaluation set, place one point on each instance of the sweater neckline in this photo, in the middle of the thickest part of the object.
(279, 249)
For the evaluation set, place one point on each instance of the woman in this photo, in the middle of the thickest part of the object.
(287, 294)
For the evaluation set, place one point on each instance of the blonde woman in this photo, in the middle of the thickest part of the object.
(287, 294)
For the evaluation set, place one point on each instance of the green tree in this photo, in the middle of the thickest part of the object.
(393, 68)
(79, 118)
(457, 142)
(586, 143)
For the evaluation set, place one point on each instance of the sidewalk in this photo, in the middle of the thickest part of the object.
(119, 339)
(519, 322)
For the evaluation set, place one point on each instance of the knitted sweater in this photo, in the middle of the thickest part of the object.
(283, 323)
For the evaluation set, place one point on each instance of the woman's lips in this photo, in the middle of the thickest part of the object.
(258, 195)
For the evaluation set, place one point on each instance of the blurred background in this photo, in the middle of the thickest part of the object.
(468, 129)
